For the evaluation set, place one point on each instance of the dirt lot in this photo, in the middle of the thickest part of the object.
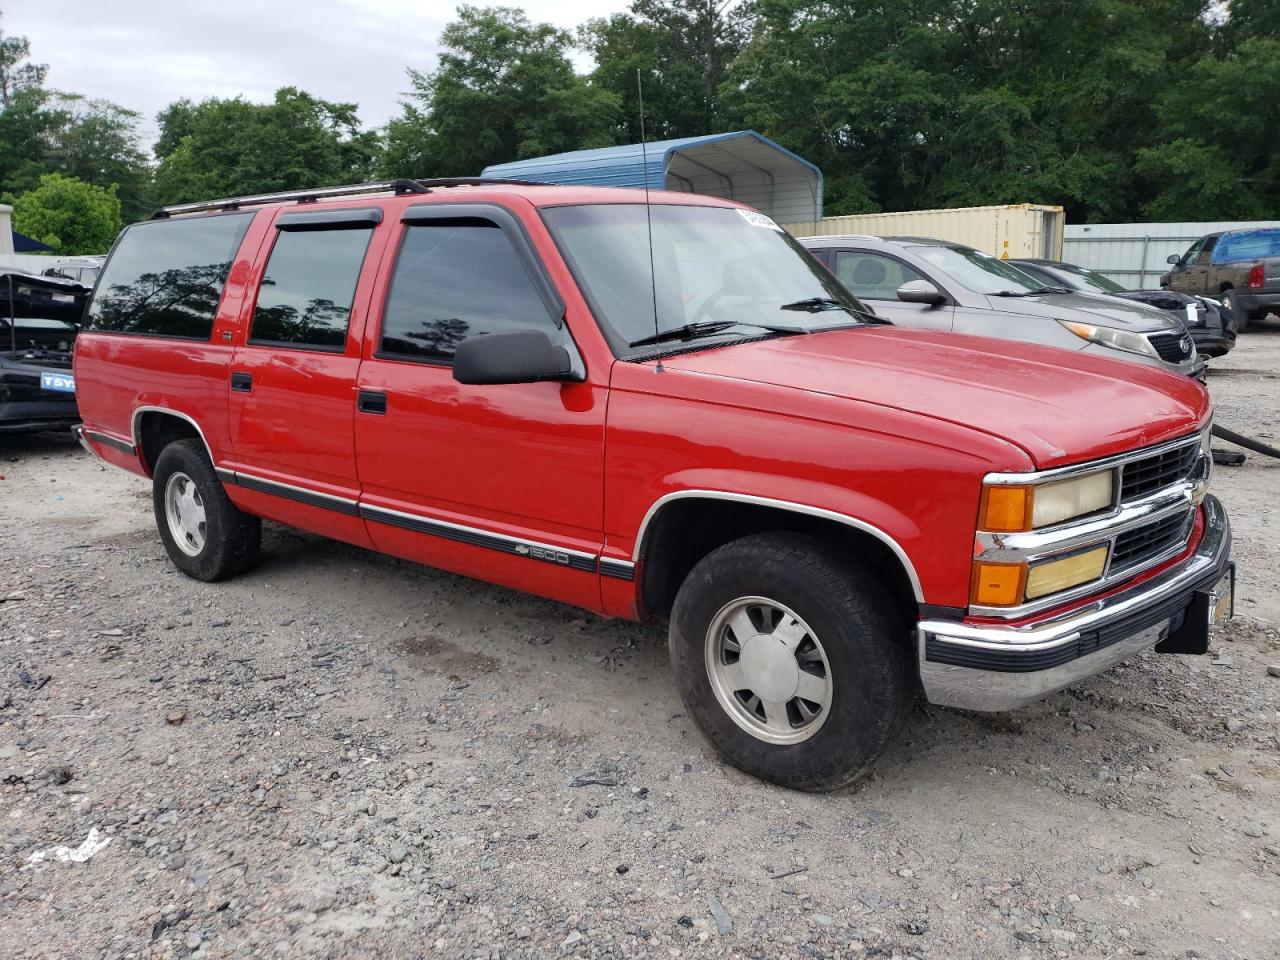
(344, 755)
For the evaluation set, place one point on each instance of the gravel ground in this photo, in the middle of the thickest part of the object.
(342, 755)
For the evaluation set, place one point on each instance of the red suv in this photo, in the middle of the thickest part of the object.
(659, 411)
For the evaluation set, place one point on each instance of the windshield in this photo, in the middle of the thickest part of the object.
(733, 269)
(979, 272)
(1078, 278)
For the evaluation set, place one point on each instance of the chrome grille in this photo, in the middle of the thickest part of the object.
(1158, 471)
(1172, 347)
(1137, 547)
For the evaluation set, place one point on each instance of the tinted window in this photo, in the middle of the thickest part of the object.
(978, 271)
(306, 293)
(871, 276)
(454, 281)
(165, 277)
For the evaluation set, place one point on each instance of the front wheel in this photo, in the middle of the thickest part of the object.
(1231, 305)
(206, 536)
(787, 664)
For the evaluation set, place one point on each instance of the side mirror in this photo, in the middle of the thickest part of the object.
(921, 291)
(1173, 258)
(520, 356)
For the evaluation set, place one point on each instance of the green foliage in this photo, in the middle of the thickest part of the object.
(220, 148)
(69, 215)
(682, 48)
(505, 89)
(16, 74)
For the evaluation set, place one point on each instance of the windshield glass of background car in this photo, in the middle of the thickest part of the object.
(976, 271)
(710, 264)
(1089, 280)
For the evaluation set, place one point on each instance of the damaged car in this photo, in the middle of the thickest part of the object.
(1211, 325)
(39, 320)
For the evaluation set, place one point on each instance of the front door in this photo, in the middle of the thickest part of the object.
(875, 279)
(503, 482)
(292, 380)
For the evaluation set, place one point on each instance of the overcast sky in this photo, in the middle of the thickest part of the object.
(144, 54)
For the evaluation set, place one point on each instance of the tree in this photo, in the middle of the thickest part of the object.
(98, 143)
(69, 215)
(505, 89)
(1217, 159)
(682, 49)
(233, 147)
(16, 74)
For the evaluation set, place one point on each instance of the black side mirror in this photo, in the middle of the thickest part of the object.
(1173, 258)
(921, 291)
(520, 356)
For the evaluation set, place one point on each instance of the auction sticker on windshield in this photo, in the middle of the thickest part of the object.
(758, 220)
(54, 380)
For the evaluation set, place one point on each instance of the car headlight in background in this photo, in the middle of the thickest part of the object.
(1110, 337)
(1016, 508)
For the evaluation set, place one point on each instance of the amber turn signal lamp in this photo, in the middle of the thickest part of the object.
(1006, 509)
(998, 584)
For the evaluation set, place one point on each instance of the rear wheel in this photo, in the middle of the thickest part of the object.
(206, 536)
(787, 664)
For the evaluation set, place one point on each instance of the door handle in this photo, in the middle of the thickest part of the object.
(241, 382)
(372, 401)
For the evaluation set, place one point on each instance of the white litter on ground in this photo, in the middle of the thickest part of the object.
(81, 854)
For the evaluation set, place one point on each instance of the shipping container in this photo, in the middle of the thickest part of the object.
(1008, 231)
(1135, 254)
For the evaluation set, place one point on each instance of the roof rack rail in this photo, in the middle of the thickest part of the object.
(400, 187)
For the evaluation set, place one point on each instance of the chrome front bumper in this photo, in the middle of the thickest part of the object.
(998, 667)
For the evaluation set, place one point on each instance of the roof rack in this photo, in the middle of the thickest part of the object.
(399, 187)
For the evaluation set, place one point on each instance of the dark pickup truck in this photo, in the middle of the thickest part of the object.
(1239, 267)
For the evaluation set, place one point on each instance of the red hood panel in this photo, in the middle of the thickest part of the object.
(1060, 406)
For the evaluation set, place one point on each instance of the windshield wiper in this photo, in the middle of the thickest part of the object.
(689, 331)
(1052, 288)
(814, 305)
(1013, 293)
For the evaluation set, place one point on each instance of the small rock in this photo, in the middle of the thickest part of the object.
(175, 717)
(193, 940)
(724, 924)
(574, 938)
(916, 927)
(1273, 670)
(59, 775)
(1028, 936)
(398, 853)
(1234, 724)
(906, 873)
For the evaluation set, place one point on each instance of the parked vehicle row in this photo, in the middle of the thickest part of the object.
(937, 285)
(1212, 326)
(668, 410)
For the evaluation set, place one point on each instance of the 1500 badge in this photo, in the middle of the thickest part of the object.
(543, 553)
(60, 382)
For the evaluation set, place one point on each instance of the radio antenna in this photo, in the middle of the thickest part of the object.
(648, 216)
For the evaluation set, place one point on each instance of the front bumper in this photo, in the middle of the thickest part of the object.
(997, 667)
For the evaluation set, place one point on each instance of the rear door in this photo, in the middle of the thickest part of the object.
(292, 379)
(502, 482)
(875, 277)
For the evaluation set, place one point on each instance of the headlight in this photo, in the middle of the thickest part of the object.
(1012, 509)
(1110, 337)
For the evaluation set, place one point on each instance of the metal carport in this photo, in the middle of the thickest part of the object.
(742, 166)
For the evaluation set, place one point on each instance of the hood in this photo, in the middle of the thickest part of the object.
(1095, 308)
(1059, 406)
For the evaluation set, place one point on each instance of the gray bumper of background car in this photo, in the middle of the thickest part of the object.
(992, 668)
(1256, 301)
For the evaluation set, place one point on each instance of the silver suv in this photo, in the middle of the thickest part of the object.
(921, 282)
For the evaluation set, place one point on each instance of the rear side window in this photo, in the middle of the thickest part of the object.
(306, 292)
(454, 281)
(165, 277)
(1248, 245)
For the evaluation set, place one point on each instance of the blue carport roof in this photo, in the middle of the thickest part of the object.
(744, 166)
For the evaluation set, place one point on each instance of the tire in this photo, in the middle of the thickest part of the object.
(206, 536)
(790, 586)
(1231, 305)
